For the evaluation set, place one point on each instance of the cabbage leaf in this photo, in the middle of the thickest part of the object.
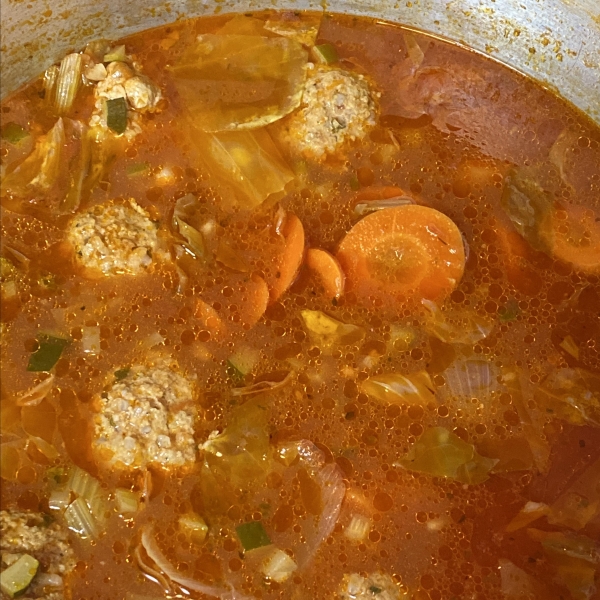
(441, 453)
(247, 160)
(327, 332)
(231, 81)
(394, 388)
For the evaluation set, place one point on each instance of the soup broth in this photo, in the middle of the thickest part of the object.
(298, 306)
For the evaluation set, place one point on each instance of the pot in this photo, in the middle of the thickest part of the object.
(555, 41)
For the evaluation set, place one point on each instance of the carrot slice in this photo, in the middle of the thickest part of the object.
(254, 300)
(291, 257)
(379, 192)
(328, 270)
(209, 317)
(573, 236)
(403, 251)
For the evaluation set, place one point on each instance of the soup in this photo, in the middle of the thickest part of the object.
(298, 305)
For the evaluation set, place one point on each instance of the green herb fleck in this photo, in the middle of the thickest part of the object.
(354, 185)
(375, 590)
(13, 133)
(46, 356)
(252, 535)
(138, 169)
(122, 373)
(510, 312)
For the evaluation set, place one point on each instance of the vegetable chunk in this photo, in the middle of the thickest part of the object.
(401, 252)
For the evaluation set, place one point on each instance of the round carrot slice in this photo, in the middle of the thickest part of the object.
(403, 251)
(573, 236)
(328, 270)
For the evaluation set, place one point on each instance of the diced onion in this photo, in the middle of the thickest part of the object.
(51, 580)
(36, 394)
(262, 386)
(279, 566)
(358, 529)
(91, 340)
(194, 526)
(9, 289)
(48, 450)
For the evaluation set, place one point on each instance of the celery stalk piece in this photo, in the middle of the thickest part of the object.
(80, 519)
(59, 499)
(14, 580)
(115, 54)
(68, 83)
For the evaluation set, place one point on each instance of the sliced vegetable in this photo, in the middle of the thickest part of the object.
(46, 356)
(183, 214)
(471, 378)
(328, 332)
(68, 82)
(516, 584)
(116, 114)
(572, 235)
(262, 387)
(209, 318)
(401, 252)
(580, 502)
(247, 160)
(302, 27)
(120, 374)
(328, 270)
(394, 388)
(575, 558)
(252, 535)
(358, 529)
(243, 361)
(127, 501)
(456, 327)
(231, 258)
(37, 393)
(13, 133)
(115, 54)
(14, 580)
(279, 566)
(291, 258)
(363, 208)
(90, 340)
(80, 519)
(326, 54)
(59, 499)
(194, 526)
(532, 511)
(41, 168)
(441, 453)
(260, 80)
(571, 394)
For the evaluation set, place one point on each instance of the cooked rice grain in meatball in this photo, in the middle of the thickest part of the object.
(114, 238)
(38, 536)
(337, 107)
(147, 418)
(377, 586)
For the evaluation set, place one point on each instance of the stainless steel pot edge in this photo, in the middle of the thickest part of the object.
(554, 41)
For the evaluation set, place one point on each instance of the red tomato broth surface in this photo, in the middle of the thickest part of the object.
(447, 145)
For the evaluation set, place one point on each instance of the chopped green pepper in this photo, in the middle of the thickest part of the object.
(116, 115)
(137, 169)
(326, 54)
(115, 54)
(14, 580)
(252, 535)
(13, 133)
(510, 312)
(47, 355)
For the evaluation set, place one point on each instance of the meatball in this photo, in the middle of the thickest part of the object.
(123, 81)
(147, 418)
(337, 107)
(377, 586)
(114, 238)
(37, 535)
